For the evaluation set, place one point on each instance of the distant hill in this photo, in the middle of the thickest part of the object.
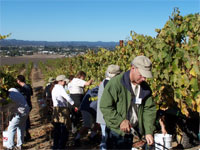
(14, 42)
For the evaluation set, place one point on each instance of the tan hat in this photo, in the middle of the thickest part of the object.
(51, 79)
(60, 78)
(144, 65)
(66, 80)
(113, 70)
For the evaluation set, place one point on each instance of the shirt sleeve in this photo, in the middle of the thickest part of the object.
(81, 83)
(66, 96)
(108, 106)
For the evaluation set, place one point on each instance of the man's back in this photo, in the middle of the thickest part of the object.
(27, 92)
(47, 91)
(20, 102)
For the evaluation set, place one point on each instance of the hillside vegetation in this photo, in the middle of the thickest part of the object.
(174, 52)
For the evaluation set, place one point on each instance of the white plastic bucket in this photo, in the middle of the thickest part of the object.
(163, 142)
(5, 139)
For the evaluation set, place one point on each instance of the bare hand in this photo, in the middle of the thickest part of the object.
(91, 80)
(76, 109)
(149, 139)
(88, 82)
(125, 126)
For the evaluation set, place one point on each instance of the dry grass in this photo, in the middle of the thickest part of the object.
(27, 58)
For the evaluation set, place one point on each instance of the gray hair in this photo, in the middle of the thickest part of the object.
(108, 75)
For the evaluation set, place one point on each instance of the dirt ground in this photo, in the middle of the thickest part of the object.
(40, 128)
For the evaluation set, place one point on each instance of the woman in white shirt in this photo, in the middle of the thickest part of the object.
(76, 89)
(61, 114)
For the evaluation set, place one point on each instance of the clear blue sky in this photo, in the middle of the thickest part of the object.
(87, 20)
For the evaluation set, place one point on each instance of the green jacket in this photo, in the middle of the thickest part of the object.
(116, 100)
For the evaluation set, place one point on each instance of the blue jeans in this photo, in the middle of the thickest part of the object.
(104, 137)
(17, 124)
(116, 141)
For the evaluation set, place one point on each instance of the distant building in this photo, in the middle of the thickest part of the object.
(29, 52)
(43, 52)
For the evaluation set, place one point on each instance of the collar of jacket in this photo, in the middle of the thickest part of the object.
(145, 90)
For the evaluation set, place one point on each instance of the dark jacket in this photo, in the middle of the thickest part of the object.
(89, 105)
(27, 92)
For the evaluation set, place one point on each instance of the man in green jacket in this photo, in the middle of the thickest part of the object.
(128, 107)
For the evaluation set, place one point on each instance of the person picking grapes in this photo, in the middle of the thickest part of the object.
(128, 107)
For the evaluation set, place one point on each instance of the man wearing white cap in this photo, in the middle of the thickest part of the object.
(128, 107)
(61, 114)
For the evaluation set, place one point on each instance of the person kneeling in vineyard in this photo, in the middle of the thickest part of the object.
(88, 109)
(175, 122)
(19, 112)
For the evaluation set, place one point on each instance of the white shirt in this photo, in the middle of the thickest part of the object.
(60, 97)
(20, 105)
(76, 86)
(132, 113)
